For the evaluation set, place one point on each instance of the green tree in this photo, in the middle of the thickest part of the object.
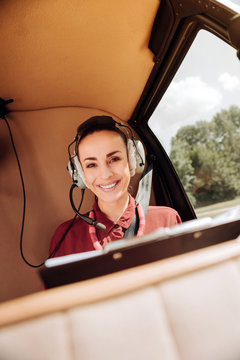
(207, 157)
(183, 166)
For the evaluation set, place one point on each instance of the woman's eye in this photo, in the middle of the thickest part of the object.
(115, 158)
(90, 165)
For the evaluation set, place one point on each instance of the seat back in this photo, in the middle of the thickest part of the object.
(186, 307)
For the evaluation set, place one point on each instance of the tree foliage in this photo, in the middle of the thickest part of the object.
(207, 157)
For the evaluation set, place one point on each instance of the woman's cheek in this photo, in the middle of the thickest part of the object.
(90, 176)
(86, 176)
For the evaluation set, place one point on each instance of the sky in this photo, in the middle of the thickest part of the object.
(234, 4)
(207, 82)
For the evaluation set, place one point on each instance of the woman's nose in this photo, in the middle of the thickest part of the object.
(105, 171)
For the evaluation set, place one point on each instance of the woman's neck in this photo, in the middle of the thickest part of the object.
(114, 210)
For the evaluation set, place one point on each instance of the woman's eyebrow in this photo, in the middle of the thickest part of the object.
(108, 155)
(89, 158)
(113, 153)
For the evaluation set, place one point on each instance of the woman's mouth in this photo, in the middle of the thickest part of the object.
(109, 186)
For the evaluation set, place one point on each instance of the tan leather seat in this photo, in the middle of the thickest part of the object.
(186, 307)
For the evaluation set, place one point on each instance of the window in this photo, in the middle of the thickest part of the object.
(198, 123)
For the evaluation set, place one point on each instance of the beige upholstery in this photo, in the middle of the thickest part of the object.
(182, 308)
(90, 54)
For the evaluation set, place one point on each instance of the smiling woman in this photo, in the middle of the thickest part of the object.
(105, 160)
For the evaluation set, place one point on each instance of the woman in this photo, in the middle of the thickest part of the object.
(106, 161)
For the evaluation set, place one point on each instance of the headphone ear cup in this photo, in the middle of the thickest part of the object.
(131, 157)
(140, 156)
(75, 170)
(136, 156)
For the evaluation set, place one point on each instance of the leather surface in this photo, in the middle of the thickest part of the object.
(182, 308)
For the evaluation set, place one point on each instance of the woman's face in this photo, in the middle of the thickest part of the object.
(103, 156)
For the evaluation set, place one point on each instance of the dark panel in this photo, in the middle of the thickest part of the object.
(138, 254)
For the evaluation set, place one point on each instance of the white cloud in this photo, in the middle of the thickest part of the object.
(185, 102)
(229, 82)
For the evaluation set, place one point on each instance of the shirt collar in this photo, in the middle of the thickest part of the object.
(124, 221)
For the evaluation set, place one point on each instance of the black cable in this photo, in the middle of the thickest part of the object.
(68, 228)
(3, 113)
(23, 187)
(85, 218)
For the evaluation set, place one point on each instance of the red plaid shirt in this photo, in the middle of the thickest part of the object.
(78, 239)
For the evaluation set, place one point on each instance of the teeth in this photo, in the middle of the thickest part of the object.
(107, 186)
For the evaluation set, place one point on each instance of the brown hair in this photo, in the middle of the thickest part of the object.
(98, 123)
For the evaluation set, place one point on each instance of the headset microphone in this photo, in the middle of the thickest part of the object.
(87, 219)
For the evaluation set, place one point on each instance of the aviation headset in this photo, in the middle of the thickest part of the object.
(135, 150)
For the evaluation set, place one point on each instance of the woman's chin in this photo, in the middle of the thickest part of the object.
(112, 196)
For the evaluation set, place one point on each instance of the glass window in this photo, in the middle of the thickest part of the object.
(198, 123)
